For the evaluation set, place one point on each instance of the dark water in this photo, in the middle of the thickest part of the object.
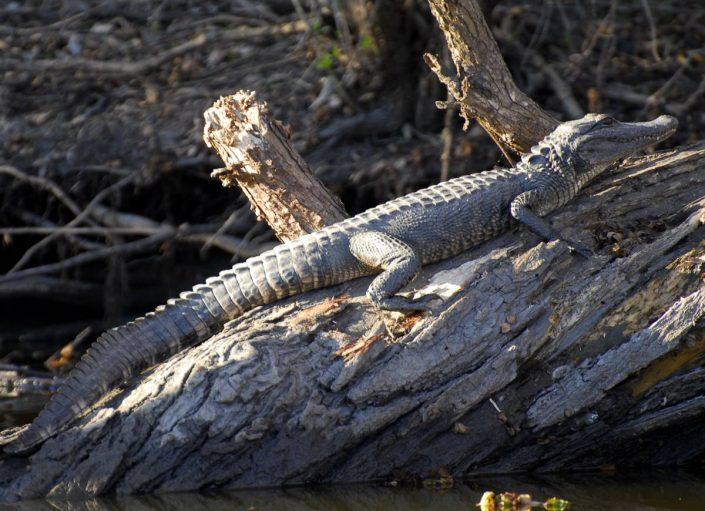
(663, 491)
(651, 490)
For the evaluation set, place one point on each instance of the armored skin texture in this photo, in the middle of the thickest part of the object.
(392, 240)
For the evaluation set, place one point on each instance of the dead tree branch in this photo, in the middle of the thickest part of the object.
(130, 247)
(82, 216)
(260, 159)
(486, 90)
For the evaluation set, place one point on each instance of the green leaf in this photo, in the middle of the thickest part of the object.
(325, 62)
(555, 504)
(367, 43)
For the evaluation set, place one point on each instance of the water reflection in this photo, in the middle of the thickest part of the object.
(20, 410)
(664, 491)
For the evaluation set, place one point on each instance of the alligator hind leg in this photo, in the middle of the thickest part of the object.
(399, 263)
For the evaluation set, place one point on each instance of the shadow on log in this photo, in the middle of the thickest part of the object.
(537, 360)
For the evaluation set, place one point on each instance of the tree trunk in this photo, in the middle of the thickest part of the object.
(536, 360)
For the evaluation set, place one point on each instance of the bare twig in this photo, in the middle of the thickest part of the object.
(231, 244)
(93, 231)
(659, 95)
(82, 215)
(341, 24)
(104, 169)
(42, 223)
(221, 230)
(58, 25)
(130, 247)
(234, 246)
(45, 184)
(602, 28)
(109, 67)
(626, 94)
(58, 290)
(652, 28)
(562, 89)
(219, 18)
(690, 101)
(190, 233)
(608, 49)
(255, 8)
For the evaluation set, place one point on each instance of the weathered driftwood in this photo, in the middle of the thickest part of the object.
(486, 91)
(540, 361)
(259, 158)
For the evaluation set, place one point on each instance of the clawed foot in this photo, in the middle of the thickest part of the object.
(403, 304)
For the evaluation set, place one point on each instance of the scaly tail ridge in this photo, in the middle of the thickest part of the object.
(122, 352)
(117, 355)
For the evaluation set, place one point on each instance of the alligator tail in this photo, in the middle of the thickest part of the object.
(122, 352)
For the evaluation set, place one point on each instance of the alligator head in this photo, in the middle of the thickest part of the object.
(598, 141)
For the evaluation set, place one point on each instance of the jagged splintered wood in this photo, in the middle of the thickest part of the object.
(486, 90)
(259, 157)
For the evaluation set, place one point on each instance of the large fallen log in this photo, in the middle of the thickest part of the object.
(535, 360)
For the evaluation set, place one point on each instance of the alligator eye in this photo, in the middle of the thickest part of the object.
(608, 121)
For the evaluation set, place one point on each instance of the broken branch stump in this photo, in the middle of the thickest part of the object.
(258, 156)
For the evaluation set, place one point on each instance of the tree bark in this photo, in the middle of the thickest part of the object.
(486, 91)
(258, 157)
(535, 360)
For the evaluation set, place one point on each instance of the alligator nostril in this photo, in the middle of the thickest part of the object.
(668, 120)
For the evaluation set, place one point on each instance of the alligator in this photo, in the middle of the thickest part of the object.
(392, 241)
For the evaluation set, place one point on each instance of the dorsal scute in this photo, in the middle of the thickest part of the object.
(538, 154)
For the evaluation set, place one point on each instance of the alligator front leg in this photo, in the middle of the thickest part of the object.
(400, 264)
(522, 209)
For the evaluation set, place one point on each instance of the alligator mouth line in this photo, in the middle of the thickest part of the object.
(654, 136)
